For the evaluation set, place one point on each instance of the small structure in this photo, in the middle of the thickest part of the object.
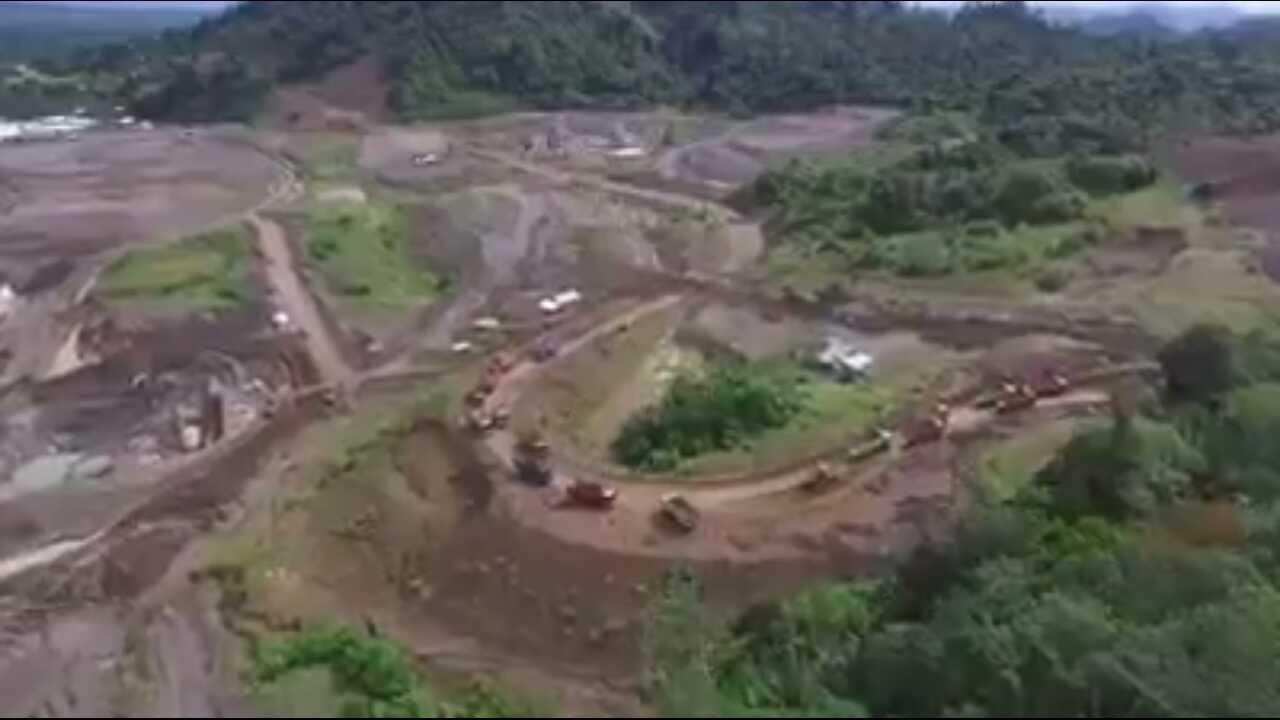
(281, 320)
(626, 153)
(844, 360)
(560, 301)
(487, 323)
(462, 346)
(425, 159)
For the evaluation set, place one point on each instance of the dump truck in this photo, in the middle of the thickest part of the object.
(1023, 397)
(543, 350)
(992, 398)
(590, 494)
(533, 471)
(679, 512)
(824, 476)
(879, 442)
(533, 445)
(481, 421)
(928, 429)
(1051, 384)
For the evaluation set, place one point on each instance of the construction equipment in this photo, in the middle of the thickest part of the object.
(823, 477)
(679, 512)
(532, 444)
(480, 421)
(880, 442)
(929, 429)
(591, 494)
(499, 365)
(1022, 397)
(544, 349)
(533, 471)
(1051, 384)
(478, 394)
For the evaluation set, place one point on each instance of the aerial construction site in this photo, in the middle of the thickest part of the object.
(331, 368)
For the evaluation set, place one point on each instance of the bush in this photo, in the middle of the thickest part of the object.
(1031, 195)
(922, 255)
(719, 410)
(1199, 364)
(1109, 175)
(1128, 469)
(373, 670)
(1052, 279)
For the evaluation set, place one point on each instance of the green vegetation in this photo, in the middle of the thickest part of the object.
(945, 209)
(205, 272)
(329, 156)
(362, 251)
(1135, 575)
(722, 408)
(1044, 89)
(371, 677)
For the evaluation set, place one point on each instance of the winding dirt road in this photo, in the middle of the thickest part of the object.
(754, 515)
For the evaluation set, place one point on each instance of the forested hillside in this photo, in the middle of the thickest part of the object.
(1003, 61)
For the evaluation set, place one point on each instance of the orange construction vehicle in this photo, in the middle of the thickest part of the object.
(929, 429)
(1021, 397)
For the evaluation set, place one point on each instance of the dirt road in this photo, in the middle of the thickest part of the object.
(764, 506)
(295, 299)
(630, 192)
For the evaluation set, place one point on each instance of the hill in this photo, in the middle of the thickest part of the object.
(1006, 62)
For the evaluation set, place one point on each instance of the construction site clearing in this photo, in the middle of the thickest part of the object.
(303, 445)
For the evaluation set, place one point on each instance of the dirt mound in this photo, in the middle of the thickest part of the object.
(348, 98)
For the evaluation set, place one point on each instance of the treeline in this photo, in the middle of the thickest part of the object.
(951, 206)
(1016, 72)
(1138, 575)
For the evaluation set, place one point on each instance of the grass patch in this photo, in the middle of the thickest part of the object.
(205, 272)
(362, 251)
(832, 412)
(1161, 203)
(1009, 467)
(1207, 286)
(814, 414)
(329, 156)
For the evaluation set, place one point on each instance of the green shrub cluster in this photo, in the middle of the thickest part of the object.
(720, 409)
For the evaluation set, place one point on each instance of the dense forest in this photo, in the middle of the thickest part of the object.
(1003, 62)
(1137, 575)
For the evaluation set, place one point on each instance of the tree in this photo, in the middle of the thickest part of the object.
(1199, 365)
